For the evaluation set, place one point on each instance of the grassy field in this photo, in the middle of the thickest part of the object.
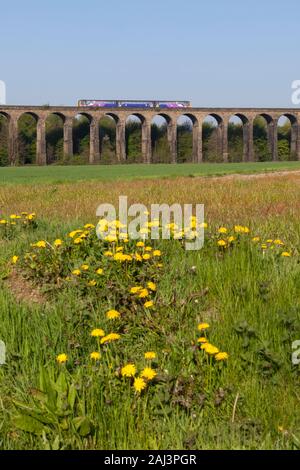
(246, 291)
(64, 174)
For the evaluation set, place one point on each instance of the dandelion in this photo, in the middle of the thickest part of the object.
(211, 350)
(85, 267)
(41, 244)
(89, 226)
(256, 239)
(92, 283)
(99, 271)
(148, 373)
(58, 243)
(286, 254)
(140, 244)
(108, 254)
(150, 355)
(221, 356)
(128, 371)
(135, 289)
(151, 286)
(15, 259)
(95, 356)
(113, 314)
(222, 230)
(146, 256)
(203, 326)
(77, 241)
(148, 304)
(221, 243)
(278, 242)
(156, 253)
(76, 272)
(109, 338)
(62, 358)
(202, 340)
(143, 293)
(98, 332)
(139, 384)
(148, 248)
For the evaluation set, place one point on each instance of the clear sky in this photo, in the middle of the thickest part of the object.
(215, 53)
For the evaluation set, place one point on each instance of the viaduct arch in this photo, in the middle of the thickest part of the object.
(120, 115)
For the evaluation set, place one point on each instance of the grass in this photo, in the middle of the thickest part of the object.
(64, 174)
(249, 296)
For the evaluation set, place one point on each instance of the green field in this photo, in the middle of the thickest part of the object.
(246, 289)
(61, 174)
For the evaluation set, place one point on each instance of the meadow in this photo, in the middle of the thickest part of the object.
(116, 344)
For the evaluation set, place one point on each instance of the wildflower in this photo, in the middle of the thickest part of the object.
(222, 230)
(286, 254)
(58, 242)
(108, 253)
(3, 222)
(151, 286)
(113, 314)
(128, 371)
(15, 259)
(140, 244)
(88, 226)
(269, 240)
(231, 239)
(74, 233)
(202, 340)
(109, 338)
(150, 355)
(62, 358)
(136, 289)
(148, 248)
(77, 241)
(138, 257)
(99, 271)
(203, 326)
(221, 243)
(13, 216)
(95, 356)
(256, 239)
(41, 244)
(148, 304)
(221, 356)
(98, 332)
(146, 256)
(139, 384)
(148, 373)
(210, 349)
(156, 253)
(278, 242)
(76, 272)
(264, 246)
(120, 248)
(92, 283)
(85, 267)
(143, 293)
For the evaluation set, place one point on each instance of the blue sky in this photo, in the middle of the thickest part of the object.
(215, 53)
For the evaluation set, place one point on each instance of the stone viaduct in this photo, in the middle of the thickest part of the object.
(120, 115)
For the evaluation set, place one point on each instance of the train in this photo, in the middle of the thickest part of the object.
(133, 104)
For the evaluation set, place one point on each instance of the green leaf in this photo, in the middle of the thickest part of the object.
(82, 425)
(28, 424)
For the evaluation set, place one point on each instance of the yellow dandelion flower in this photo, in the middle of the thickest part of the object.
(286, 254)
(222, 230)
(221, 243)
(151, 286)
(97, 332)
(203, 326)
(113, 314)
(221, 356)
(148, 373)
(256, 239)
(146, 256)
(143, 293)
(109, 338)
(148, 248)
(85, 267)
(278, 242)
(92, 283)
(99, 271)
(78, 241)
(76, 272)
(62, 358)
(139, 384)
(128, 371)
(150, 355)
(95, 356)
(140, 244)
(108, 254)
(212, 350)
(15, 259)
(135, 289)
(58, 243)
(148, 304)
(202, 340)
(156, 253)
(41, 244)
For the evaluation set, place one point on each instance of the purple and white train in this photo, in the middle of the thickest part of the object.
(133, 104)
